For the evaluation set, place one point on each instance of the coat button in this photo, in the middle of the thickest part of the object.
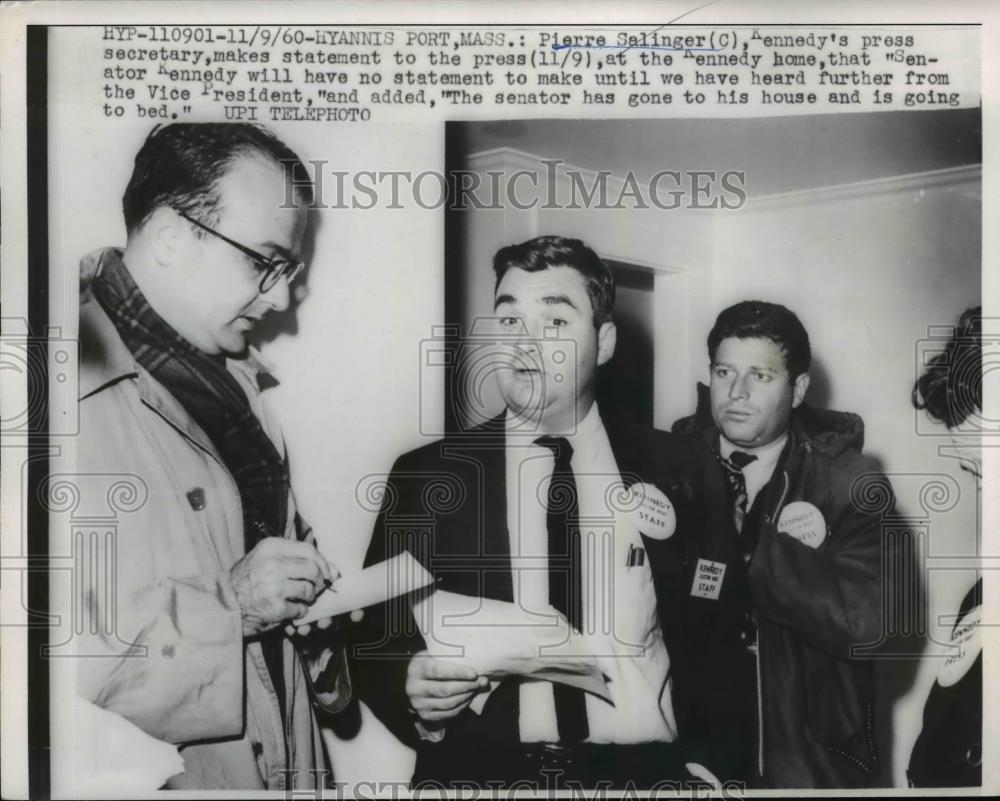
(196, 497)
(258, 749)
(974, 755)
(168, 651)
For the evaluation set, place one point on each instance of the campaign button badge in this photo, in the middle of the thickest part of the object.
(804, 522)
(708, 577)
(965, 646)
(652, 512)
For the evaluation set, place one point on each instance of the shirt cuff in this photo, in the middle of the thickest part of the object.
(430, 735)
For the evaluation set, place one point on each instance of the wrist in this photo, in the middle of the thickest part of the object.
(430, 731)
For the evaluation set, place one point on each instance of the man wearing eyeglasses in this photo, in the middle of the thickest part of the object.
(194, 643)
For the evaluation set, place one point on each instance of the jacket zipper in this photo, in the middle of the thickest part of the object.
(781, 499)
(760, 709)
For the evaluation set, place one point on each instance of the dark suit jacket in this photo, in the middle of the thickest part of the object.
(446, 504)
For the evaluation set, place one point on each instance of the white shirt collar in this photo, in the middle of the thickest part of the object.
(766, 454)
(587, 428)
(759, 471)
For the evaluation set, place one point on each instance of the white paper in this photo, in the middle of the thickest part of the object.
(114, 756)
(502, 639)
(373, 585)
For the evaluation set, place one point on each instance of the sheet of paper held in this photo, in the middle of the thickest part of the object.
(374, 584)
(501, 639)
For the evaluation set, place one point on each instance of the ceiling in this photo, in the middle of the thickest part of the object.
(778, 154)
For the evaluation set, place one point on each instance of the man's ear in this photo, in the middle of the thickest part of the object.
(799, 390)
(163, 233)
(607, 338)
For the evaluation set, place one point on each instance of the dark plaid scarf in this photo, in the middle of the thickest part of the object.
(218, 404)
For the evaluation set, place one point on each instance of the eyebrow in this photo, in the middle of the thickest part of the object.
(559, 300)
(752, 367)
(280, 250)
(548, 300)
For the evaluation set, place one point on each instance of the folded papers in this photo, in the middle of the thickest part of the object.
(500, 639)
(497, 638)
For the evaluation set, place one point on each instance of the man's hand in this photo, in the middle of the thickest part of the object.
(440, 688)
(322, 624)
(277, 581)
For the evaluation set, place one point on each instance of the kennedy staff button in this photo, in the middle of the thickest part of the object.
(653, 513)
(196, 497)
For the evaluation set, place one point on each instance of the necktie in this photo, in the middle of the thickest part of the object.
(565, 577)
(738, 485)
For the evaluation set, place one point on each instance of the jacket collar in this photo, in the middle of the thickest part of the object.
(825, 430)
(104, 358)
(629, 443)
(631, 446)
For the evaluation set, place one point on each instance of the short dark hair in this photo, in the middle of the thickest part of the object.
(951, 388)
(543, 252)
(757, 318)
(180, 166)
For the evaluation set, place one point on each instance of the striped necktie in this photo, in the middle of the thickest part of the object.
(738, 485)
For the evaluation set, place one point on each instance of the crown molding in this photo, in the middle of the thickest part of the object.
(912, 182)
(508, 157)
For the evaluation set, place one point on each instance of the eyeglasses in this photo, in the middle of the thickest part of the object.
(272, 268)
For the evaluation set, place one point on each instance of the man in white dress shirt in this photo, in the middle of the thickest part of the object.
(615, 526)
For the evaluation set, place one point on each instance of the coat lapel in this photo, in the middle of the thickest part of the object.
(479, 528)
(632, 454)
(498, 582)
(639, 461)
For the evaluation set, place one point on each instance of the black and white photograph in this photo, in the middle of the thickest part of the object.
(402, 401)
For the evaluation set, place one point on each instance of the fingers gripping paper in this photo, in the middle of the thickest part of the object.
(502, 639)
(375, 584)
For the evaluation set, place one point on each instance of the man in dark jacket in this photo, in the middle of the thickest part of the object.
(814, 553)
(528, 510)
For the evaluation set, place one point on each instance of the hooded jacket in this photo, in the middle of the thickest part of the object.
(818, 609)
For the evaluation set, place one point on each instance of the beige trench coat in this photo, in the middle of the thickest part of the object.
(176, 663)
